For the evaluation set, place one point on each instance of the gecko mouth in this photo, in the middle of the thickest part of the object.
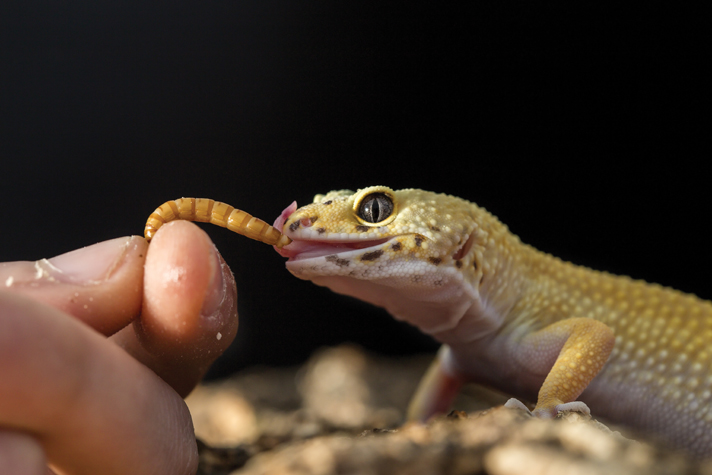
(299, 250)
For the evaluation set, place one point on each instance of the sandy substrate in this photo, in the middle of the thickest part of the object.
(343, 412)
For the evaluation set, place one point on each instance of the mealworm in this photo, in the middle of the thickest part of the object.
(205, 210)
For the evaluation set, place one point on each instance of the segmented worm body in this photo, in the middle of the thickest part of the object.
(205, 210)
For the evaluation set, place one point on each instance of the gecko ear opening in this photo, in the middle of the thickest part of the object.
(466, 248)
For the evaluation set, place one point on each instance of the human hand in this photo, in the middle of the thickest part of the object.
(85, 391)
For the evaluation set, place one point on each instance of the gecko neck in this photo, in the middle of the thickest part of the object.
(495, 273)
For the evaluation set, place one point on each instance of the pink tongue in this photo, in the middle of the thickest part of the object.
(282, 218)
(279, 224)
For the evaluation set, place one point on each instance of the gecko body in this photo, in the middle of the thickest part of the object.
(510, 316)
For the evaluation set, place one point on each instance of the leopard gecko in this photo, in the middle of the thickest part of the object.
(510, 316)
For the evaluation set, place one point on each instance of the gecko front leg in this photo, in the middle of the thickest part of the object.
(571, 353)
(567, 354)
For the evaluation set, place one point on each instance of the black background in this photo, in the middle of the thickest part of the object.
(584, 128)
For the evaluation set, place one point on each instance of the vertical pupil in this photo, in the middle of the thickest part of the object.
(375, 210)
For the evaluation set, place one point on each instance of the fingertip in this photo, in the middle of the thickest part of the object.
(189, 295)
(176, 278)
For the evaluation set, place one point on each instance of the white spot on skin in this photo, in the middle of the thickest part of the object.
(219, 336)
(173, 276)
(9, 281)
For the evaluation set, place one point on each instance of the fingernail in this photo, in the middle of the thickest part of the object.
(86, 265)
(216, 287)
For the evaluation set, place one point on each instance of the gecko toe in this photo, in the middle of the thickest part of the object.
(514, 403)
(576, 406)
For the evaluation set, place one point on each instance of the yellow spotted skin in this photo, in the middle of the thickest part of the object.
(513, 317)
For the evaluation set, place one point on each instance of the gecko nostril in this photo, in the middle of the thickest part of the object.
(307, 222)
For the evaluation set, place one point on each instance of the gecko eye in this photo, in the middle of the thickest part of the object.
(375, 208)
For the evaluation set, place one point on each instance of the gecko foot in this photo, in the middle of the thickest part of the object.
(576, 406)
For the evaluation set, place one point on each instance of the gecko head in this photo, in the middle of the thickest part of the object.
(379, 245)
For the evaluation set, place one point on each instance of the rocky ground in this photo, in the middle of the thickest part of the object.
(342, 413)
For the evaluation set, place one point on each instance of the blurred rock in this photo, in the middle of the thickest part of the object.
(500, 441)
(343, 388)
(342, 413)
(222, 417)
